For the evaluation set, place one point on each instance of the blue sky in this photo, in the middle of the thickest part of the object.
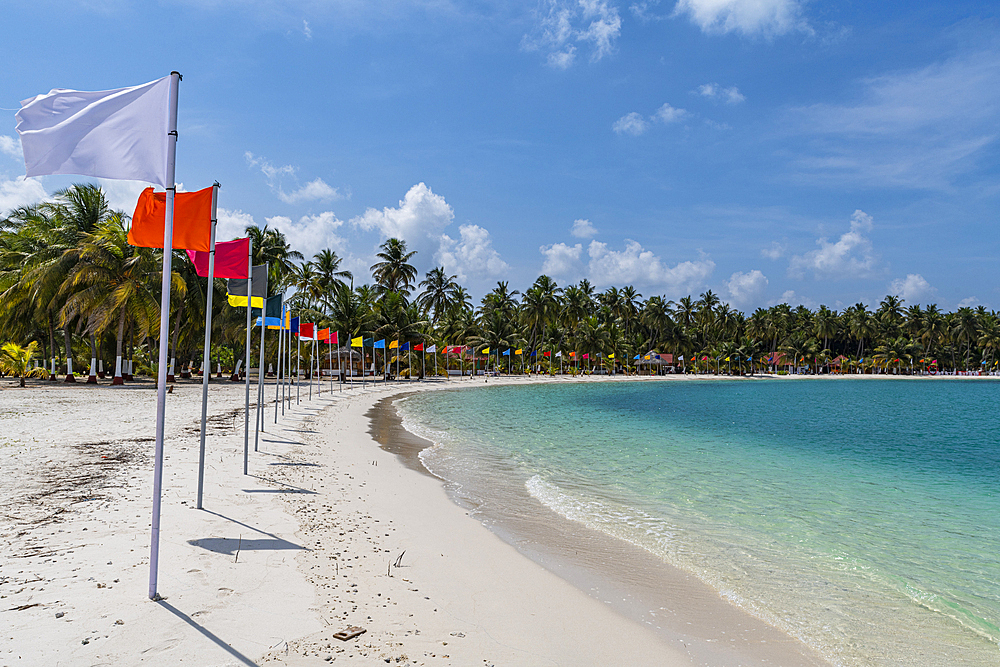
(771, 150)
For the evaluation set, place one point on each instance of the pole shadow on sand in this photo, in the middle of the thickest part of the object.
(207, 633)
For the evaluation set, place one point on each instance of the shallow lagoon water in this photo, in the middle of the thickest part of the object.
(861, 516)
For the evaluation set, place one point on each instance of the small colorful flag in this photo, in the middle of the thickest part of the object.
(356, 342)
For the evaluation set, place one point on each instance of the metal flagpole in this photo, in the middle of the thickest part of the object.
(340, 365)
(246, 416)
(298, 362)
(161, 371)
(206, 368)
(259, 417)
(278, 379)
(311, 366)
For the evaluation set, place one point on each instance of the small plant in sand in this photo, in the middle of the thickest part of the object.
(16, 361)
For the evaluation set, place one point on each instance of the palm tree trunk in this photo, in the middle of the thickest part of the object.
(52, 348)
(92, 376)
(173, 342)
(119, 340)
(68, 337)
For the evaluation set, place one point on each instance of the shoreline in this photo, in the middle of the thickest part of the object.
(679, 608)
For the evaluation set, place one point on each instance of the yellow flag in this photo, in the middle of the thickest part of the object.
(611, 356)
(486, 351)
(393, 345)
(356, 342)
(517, 351)
(727, 358)
(241, 301)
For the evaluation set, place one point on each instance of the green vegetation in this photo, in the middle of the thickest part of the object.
(66, 267)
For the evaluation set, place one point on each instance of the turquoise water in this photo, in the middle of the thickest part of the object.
(861, 516)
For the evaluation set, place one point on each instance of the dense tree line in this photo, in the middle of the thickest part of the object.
(71, 284)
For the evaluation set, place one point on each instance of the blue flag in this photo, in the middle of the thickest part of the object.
(507, 353)
(379, 344)
(404, 347)
(295, 325)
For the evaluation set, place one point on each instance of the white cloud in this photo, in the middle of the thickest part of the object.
(635, 265)
(123, 195)
(232, 224)
(851, 256)
(20, 192)
(747, 288)
(10, 146)
(419, 219)
(920, 128)
(714, 91)
(968, 302)
(306, 30)
(641, 10)
(311, 233)
(470, 255)
(669, 114)
(748, 17)
(562, 259)
(315, 190)
(631, 123)
(583, 229)
(562, 59)
(774, 251)
(793, 299)
(911, 288)
(564, 23)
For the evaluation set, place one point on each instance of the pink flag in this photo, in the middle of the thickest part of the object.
(230, 259)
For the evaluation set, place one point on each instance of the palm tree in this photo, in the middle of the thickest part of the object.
(16, 360)
(439, 291)
(271, 247)
(113, 282)
(331, 276)
(394, 273)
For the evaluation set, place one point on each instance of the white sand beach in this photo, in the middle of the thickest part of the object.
(303, 547)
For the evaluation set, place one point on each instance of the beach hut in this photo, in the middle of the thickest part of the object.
(653, 361)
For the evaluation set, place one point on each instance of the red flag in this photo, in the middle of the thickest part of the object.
(192, 220)
(587, 356)
(230, 259)
(335, 340)
(306, 330)
(418, 348)
(546, 354)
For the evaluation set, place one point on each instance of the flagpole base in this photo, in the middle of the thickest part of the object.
(171, 379)
(70, 378)
(92, 379)
(101, 374)
(117, 380)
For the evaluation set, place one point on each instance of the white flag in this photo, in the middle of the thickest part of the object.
(681, 358)
(432, 348)
(118, 134)
(558, 354)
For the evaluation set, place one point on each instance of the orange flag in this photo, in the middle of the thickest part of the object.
(192, 220)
